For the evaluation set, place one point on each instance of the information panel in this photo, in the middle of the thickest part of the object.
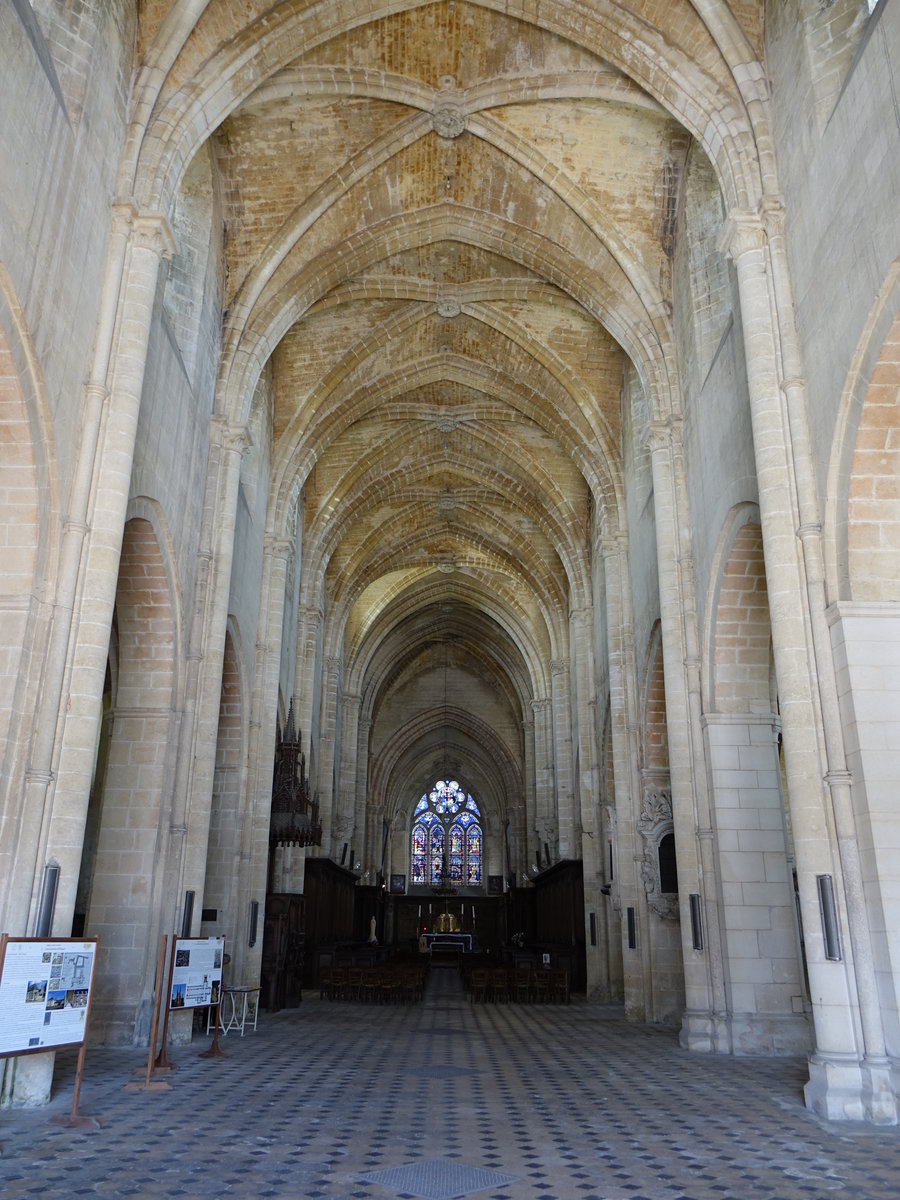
(45, 992)
(197, 972)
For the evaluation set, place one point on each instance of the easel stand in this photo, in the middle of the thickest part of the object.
(73, 1120)
(154, 1085)
(38, 1020)
(214, 1051)
(162, 1063)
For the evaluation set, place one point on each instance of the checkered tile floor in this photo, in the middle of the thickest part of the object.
(335, 1101)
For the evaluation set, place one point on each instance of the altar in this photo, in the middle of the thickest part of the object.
(461, 943)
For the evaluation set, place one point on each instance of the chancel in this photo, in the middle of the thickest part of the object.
(449, 457)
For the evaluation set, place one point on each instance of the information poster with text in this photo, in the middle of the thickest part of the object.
(197, 972)
(45, 991)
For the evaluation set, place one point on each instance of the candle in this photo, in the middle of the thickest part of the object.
(420, 911)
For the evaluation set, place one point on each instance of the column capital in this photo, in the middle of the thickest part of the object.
(613, 544)
(559, 666)
(149, 231)
(334, 665)
(742, 232)
(809, 532)
(278, 547)
(538, 706)
(661, 433)
(796, 383)
(772, 211)
(234, 438)
(97, 392)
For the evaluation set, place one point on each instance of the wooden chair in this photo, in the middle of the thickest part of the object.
(354, 983)
(340, 983)
(388, 985)
(325, 983)
(410, 985)
(479, 981)
(559, 985)
(499, 984)
(541, 985)
(521, 984)
(370, 986)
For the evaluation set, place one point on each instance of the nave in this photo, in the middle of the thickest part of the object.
(441, 1099)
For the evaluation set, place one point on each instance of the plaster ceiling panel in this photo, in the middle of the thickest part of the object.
(476, 537)
(151, 14)
(305, 355)
(275, 156)
(479, 468)
(751, 17)
(450, 262)
(579, 342)
(616, 155)
(445, 46)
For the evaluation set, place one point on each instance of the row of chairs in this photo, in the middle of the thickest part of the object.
(389, 983)
(526, 984)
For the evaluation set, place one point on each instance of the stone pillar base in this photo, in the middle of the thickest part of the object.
(770, 1034)
(705, 1032)
(26, 1080)
(843, 1088)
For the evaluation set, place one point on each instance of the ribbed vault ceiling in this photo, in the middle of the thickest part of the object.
(448, 232)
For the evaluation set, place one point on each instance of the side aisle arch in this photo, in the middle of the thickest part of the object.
(863, 548)
(764, 980)
(127, 900)
(29, 517)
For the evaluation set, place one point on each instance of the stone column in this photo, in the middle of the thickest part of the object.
(563, 757)
(200, 726)
(306, 675)
(545, 807)
(346, 798)
(374, 838)
(57, 780)
(626, 889)
(705, 1025)
(88, 647)
(329, 732)
(849, 1071)
(362, 789)
(261, 749)
(518, 855)
(588, 784)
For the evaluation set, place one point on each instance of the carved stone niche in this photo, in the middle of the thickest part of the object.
(657, 828)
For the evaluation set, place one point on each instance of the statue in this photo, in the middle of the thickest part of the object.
(373, 940)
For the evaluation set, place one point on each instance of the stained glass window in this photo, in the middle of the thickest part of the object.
(446, 838)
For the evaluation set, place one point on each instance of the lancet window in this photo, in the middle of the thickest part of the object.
(447, 842)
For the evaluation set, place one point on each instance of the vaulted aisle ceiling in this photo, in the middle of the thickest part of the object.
(448, 234)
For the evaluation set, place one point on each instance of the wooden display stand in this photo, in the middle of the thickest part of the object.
(46, 986)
